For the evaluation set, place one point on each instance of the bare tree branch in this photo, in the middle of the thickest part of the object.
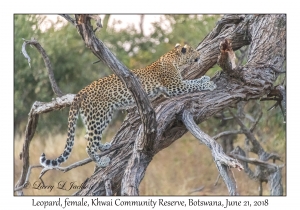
(68, 18)
(260, 188)
(264, 171)
(56, 104)
(29, 133)
(108, 187)
(225, 133)
(232, 27)
(220, 158)
(83, 162)
(25, 184)
(275, 182)
(256, 146)
(256, 121)
(197, 190)
(217, 180)
(33, 116)
(256, 162)
(136, 169)
(38, 108)
(226, 22)
(142, 24)
(47, 62)
(278, 94)
(105, 21)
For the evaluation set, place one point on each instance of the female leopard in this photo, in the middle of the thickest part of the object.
(97, 101)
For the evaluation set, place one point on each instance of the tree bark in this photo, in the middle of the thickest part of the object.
(266, 35)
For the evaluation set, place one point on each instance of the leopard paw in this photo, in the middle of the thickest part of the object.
(103, 162)
(103, 147)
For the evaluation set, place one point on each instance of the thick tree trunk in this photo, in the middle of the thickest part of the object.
(266, 35)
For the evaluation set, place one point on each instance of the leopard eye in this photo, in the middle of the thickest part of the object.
(196, 59)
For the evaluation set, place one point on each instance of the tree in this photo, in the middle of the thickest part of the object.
(142, 134)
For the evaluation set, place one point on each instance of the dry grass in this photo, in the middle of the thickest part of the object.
(187, 165)
(52, 148)
(177, 170)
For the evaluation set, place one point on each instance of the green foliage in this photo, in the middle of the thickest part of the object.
(71, 62)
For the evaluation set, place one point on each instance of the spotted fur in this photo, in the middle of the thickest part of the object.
(97, 101)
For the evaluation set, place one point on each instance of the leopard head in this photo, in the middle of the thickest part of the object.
(183, 55)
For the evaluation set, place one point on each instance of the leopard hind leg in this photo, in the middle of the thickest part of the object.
(96, 123)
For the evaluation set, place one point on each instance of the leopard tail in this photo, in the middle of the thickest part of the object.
(72, 120)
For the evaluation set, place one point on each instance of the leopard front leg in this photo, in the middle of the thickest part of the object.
(202, 83)
(189, 86)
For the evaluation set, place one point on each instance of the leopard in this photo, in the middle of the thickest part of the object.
(97, 102)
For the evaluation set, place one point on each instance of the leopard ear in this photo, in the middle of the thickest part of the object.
(183, 50)
(177, 45)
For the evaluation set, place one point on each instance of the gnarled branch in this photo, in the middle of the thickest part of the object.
(38, 108)
(145, 109)
(221, 160)
(265, 172)
(202, 105)
(271, 172)
(33, 116)
(47, 62)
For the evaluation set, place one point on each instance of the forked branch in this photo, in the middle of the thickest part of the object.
(24, 185)
(47, 62)
(222, 161)
(264, 171)
(278, 93)
(33, 116)
(83, 162)
(145, 109)
(36, 109)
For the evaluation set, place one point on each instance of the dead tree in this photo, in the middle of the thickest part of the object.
(156, 126)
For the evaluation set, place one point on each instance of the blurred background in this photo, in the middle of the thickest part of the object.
(136, 40)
